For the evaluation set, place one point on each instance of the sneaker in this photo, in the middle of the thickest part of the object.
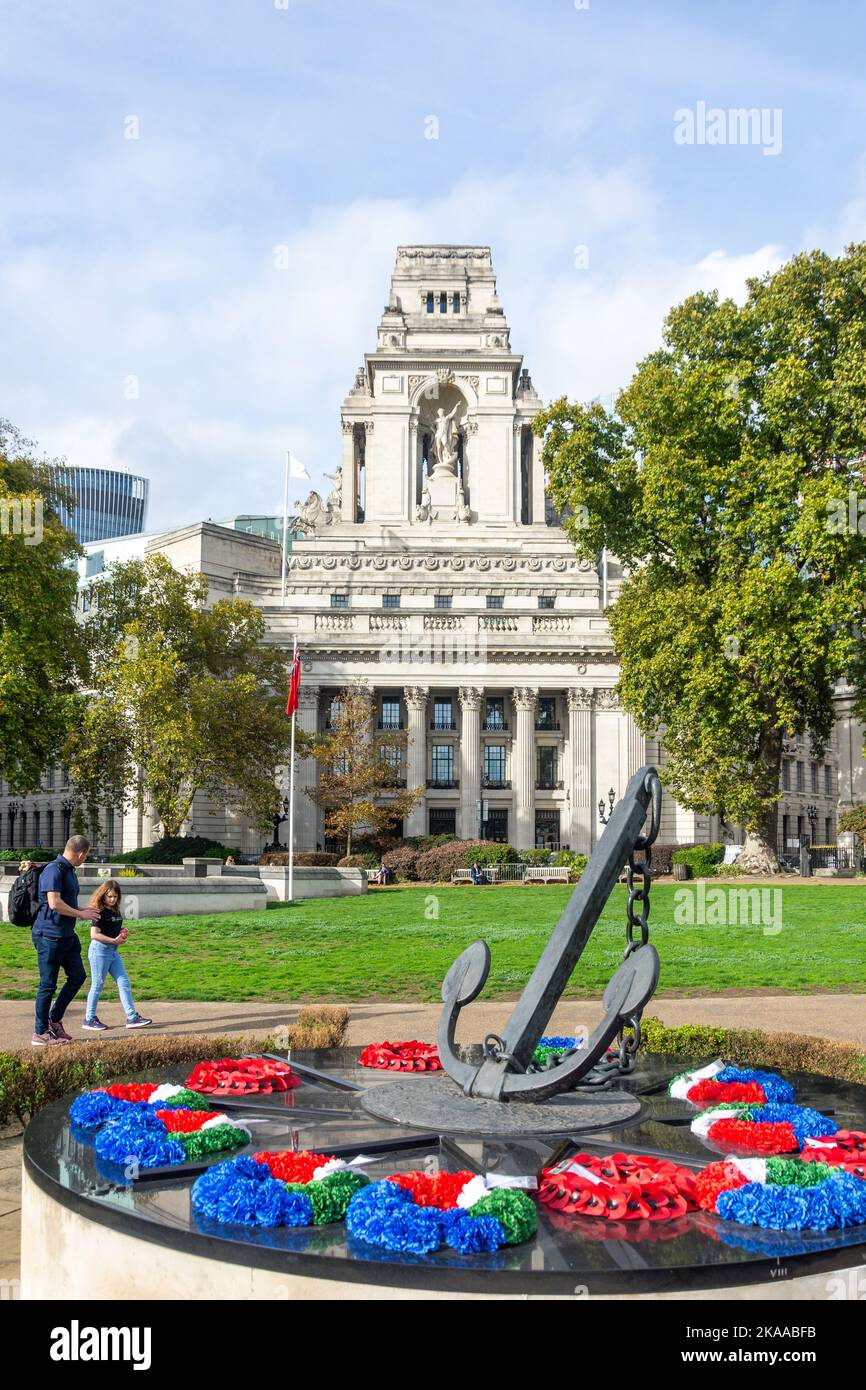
(43, 1040)
(58, 1032)
(93, 1025)
(136, 1021)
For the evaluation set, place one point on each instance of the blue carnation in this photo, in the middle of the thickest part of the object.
(94, 1108)
(384, 1215)
(806, 1123)
(837, 1202)
(774, 1087)
(242, 1192)
(470, 1235)
(561, 1044)
(128, 1139)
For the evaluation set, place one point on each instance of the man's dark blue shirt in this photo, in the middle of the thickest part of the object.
(58, 877)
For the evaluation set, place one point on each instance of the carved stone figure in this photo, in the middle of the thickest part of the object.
(424, 511)
(462, 512)
(443, 443)
(335, 496)
(313, 514)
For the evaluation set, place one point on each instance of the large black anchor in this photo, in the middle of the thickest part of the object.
(503, 1075)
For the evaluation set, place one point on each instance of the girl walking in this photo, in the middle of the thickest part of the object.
(107, 935)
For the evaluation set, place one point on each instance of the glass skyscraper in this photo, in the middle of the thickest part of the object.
(108, 502)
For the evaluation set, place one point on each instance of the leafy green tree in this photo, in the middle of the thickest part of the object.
(184, 698)
(723, 482)
(854, 819)
(39, 657)
(359, 771)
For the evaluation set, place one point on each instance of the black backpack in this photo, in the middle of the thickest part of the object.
(24, 897)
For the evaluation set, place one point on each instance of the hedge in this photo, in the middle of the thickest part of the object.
(403, 862)
(171, 849)
(360, 861)
(701, 859)
(304, 859)
(36, 853)
(30, 1081)
(750, 1047)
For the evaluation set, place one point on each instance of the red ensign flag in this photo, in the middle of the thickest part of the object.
(294, 684)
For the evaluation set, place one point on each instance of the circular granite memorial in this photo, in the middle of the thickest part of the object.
(91, 1231)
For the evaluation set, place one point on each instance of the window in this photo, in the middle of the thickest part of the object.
(495, 716)
(442, 764)
(455, 302)
(786, 831)
(828, 830)
(339, 600)
(546, 601)
(496, 825)
(547, 830)
(36, 819)
(494, 764)
(443, 302)
(828, 780)
(391, 756)
(335, 710)
(441, 600)
(49, 827)
(547, 713)
(495, 601)
(801, 777)
(546, 769)
(390, 714)
(443, 820)
(443, 715)
(429, 301)
(813, 771)
(786, 775)
(390, 600)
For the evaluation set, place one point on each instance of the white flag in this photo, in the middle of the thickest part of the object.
(297, 469)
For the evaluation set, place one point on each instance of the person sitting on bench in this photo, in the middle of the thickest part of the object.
(477, 874)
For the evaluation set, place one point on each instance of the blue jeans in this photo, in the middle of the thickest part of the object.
(56, 954)
(105, 960)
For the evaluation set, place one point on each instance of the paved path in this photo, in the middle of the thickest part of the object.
(838, 1016)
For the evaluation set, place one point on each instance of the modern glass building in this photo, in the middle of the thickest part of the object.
(108, 502)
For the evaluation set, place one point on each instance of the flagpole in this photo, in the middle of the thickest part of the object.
(285, 541)
(292, 802)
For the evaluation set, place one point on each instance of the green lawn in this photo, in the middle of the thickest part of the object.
(383, 946)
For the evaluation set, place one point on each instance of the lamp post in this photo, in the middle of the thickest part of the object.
(67, 806)
(277, 822)
(611, 797)
(13, 808)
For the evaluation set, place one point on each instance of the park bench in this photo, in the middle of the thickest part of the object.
(546, 873)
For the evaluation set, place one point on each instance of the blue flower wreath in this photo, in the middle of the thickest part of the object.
(140, 1137)
(95, 1107)
(243, 1192)
(775, 1088)
(385, 1215)
(834, 1204)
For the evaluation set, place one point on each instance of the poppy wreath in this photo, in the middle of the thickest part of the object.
(619, 1187)
(398, 1215)
(719, 1083)
(767, 1129)
(243, 1076)
(846, 1150)
(157, 1137)
(401, 1056)
(782, 1194)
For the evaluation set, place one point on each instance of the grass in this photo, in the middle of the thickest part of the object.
(397, 944)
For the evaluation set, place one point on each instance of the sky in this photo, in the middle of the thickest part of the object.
(200, 201)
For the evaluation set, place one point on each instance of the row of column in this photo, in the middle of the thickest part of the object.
(578, 811)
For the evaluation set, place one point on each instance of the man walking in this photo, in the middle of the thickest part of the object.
(56, 942)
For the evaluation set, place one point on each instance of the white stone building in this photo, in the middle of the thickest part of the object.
(436, 573)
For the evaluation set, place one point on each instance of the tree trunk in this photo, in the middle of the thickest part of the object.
(759, 851)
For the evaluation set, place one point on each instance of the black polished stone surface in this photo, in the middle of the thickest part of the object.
(569, 1255)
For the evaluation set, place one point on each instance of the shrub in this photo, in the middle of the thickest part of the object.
(41, 856)
(304, 859)
(438, 864)
(425, 842)
(701, 859)
(403, 861)
(750, 1047)
(491, 852)
(540, 857)
(662, 857)
(173, 848)
(576, 863)
(359, 861)
(29, 1082)
(854, 819)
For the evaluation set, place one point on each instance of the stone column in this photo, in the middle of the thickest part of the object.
(470, 761)
(416, 755)
(537, 482)
(306, 810)
(350, 475)
(579, 773)
(635, 747)
(523, 768)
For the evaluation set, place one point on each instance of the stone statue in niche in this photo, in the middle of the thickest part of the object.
(444, 446)
(335, 496)
(424, 511)
(313, 513)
